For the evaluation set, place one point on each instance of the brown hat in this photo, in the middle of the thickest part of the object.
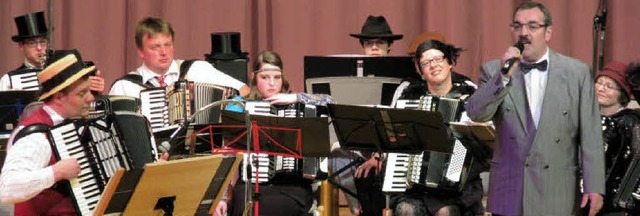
(65, 68)
(423, 37)
(376, 27)
(29, 26)
(617, 71)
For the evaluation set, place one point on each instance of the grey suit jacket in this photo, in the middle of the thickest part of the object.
(536, 172)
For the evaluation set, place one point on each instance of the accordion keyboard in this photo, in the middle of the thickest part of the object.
(85, 187)
(25, 81)
(154, 107)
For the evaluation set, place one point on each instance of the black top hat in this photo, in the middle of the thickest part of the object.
(65, 68)
(30, 25)
(226, 46)
(376, 27)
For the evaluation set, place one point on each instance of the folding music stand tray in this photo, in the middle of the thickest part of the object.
(279, 135)
(389, 130)
(478, 138)
(191, 186)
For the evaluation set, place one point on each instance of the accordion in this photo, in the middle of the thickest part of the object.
(101, 146)
(108, 104)
(277, 168)
(435, 170)
(25, 79)
(622, 160)
(179, 101)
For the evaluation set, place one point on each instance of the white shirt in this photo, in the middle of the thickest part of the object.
(26, 170)
(200, 71)
(536, 83)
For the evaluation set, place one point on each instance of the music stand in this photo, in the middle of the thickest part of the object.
(314, 134)
(389, 130)
(478, 138)
(191, 186)
(11, 105)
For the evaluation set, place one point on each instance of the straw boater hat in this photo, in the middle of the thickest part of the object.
(65, 68)
(29, 26)
(376, 27)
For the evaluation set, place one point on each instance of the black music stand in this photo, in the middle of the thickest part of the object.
(191, 186)
(389, 130)
(315, 133)
(477, 138)
(11, 105)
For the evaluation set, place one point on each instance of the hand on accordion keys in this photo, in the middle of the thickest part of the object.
(66, 169)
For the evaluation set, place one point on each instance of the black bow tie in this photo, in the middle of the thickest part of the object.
(541, 66)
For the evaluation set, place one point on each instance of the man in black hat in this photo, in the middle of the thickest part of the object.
(32, 39)
(376, 36)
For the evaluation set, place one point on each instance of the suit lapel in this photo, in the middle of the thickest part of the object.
(554, 85)
(518, 95)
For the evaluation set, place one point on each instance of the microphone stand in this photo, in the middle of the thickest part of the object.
(599, 24)
(248, 187)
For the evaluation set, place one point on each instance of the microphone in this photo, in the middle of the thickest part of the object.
(168, 146)
(507, 65)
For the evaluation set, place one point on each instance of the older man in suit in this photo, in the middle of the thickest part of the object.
(547, 120)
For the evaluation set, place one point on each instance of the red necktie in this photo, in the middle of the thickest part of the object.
(161, 81)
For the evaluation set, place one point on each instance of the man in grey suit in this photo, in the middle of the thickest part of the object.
(547, 122)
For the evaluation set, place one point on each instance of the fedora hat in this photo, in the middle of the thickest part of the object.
(65, 68)
(30, 25)
(376, 27)
(226, 46)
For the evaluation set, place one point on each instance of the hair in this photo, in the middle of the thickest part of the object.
(65, 90)
(451, 53)
(409, 207)
(151, 26)
(531, 5)
(266, 57)
(633, 72)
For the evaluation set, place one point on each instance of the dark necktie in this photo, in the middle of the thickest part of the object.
(541, 66)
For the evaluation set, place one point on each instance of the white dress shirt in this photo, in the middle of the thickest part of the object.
(536, 83)
(200, 71)
(26, 171)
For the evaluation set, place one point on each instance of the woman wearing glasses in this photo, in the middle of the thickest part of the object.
(435, 63)
(614, 93)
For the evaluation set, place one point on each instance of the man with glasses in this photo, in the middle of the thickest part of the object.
(541, 149)
(33, 41)
(376, 36)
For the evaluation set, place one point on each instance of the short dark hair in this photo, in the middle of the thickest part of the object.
(532, 4)
(152, 26)
(451, 53)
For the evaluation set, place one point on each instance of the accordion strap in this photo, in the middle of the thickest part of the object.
(136, 79)
(184, 68)
(29, 129)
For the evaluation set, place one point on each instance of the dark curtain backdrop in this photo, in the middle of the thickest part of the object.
(103, 29)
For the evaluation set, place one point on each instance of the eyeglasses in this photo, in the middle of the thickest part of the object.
(35, 43)
(531, 26)
(378, 43)
(437, 60)
(607, 86)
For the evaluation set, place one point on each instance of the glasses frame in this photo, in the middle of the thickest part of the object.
(437, 60)
(531, 26)
(607, 86)
(34, 43)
